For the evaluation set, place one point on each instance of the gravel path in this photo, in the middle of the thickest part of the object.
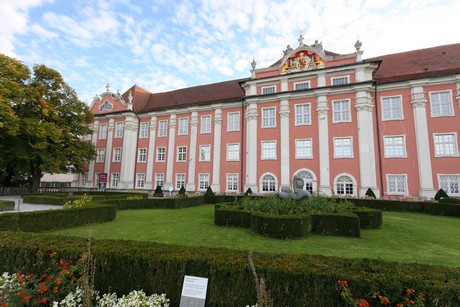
(24, 207)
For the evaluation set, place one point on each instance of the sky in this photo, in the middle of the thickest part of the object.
(163, 45)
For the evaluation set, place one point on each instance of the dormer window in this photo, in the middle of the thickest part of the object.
(106, 106)
(268, 90)
(340, 80)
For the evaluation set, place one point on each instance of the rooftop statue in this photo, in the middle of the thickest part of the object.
(298, 193)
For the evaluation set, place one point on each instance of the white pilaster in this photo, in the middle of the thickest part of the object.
(108, 150)
(216, 152)
(323, 139)
(251, 148)
(422, 141)
(458, 89)
(151, 154)
(128, 156)
(89, 182)
(367, 165)
(192, 161)
(321, 79)
(171, 152)
(284, 143)
(284, 85)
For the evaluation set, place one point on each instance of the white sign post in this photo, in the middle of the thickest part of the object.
(193, 291)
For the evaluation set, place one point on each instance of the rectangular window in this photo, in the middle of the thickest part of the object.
(181, 154)
(140, 180)
(115, 179)
(205, 153)
(102, 131)
(203, 182)
(299, 86)
(341, 109)
(233, 123)
(397, 184)
(162, 128)
(303, 149)
(144, 131)
(119, 130)
(159, 180)
(233, 152)
(392, 108)
(205, 124)
(445, 145)
(450, 184)
(343, 148)
(441, 104)
(340, 80)
(232, 182)
(142, 155)
(269, 150)
(302, 114)
(161, 154)
(100, 155)
(183, 126)
(268, 117)
(116, 155)
(83, 179)
(395, 146)
(268, 90)
(180, 181)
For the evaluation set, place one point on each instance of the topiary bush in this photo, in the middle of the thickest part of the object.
(440, 194)
(370, 193)
(344, 224)
(248, 192)
(158, 192)
(281, 226)
(209, 192)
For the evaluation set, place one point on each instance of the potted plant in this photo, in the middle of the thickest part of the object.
(158, 192)
(182, 192)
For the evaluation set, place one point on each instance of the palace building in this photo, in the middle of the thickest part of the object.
(342, 122)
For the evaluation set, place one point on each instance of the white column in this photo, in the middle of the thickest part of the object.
(89, 181)
(422, 141)
(171, 152)
(151, 154)
(367, 165)
(128, 156)
(284, 143)
(108, 150)
(323, 139)
(216, 151)
(192, 161)
(251, 148)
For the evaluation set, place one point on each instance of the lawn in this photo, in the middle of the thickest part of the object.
(405, 237)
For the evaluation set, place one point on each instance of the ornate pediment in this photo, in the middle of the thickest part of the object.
(302, 60)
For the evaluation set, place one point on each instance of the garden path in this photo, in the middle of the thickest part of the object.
(24, 207)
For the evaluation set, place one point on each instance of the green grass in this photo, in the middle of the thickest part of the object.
(405, 237)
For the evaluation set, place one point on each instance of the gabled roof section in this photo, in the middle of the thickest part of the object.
(108, 102)
(418, 63)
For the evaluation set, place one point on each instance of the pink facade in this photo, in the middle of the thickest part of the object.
(344, 124)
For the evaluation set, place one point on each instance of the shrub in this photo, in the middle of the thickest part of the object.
(336, 224)
(281, 226)
(248, 192)
(84, 201)
(6, 205)
(440, 194)
(209, 192)
(370, 193)
(369, 218)
(182, 190)
(158, 192)
(229, 216)
(165, 203)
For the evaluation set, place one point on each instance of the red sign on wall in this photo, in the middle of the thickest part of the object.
(103, 177)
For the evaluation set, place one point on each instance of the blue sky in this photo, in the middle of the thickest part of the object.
(165, 44)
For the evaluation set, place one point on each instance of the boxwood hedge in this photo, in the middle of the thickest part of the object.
(6, 205)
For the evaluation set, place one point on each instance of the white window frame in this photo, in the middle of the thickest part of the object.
(183, 126)
(142, 155)
(392, 104)
(302, 85)
(116, 154)
(206, 124)
(335, 111)
(180, 180)
(345, 186)
(144, 130)
(232, 182)
(181, 154)
(268, 119)
(267, 90)
(115, 179)
(232, 153)
(233, 121)
(83, 179)
(303, 114)
(203, 182)
(161, 156)
(159, 179)
(271, 185)
(451, 187)
(119, 126)
(140, 180)
(439, 105)
(335, 80)
(400, 178)
(102, 131)
(100, 158)
(445, 149)
(389, 146)
(339, 146)
(205, 156)
(308, 149)
(268, 150)
(163, 128)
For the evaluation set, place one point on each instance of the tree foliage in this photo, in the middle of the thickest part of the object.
(41, 123)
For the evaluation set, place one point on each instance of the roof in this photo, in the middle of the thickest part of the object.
(418, 63)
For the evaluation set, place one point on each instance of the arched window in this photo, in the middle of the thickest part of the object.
(307, 180)
(344, 185)
(106, 106)
(268, 183)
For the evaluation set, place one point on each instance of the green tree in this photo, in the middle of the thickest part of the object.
(44, 125)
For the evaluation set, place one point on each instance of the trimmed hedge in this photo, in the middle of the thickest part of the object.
(369, 218)
(336, 224)
(160, 203)
(7, 205)
(46, 199)
(292, 280)
(281, 226)
(55, 219)
(227, 216)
